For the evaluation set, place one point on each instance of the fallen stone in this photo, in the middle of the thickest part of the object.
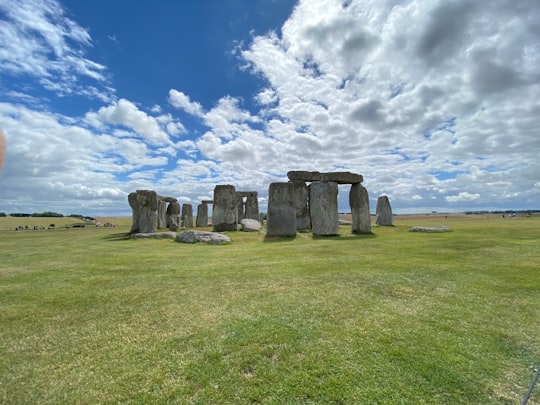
(433, 229)
(212, 238)
(250, 225)
(154, 235)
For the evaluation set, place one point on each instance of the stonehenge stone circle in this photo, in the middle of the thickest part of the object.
(301, 205)
(225, 209)
(359, 203)
(187, 216)
(336, 177)
(281, 220)
(144, 205)
(383, 215)
(202, 215)
(323, 207)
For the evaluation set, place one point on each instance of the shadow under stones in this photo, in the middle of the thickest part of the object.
(273, 239)
(118, 237)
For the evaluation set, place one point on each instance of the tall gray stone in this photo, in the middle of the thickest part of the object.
(323, 207)
(281, 219)
(252, 206)
(144, 205)
(202, 215)
(384, 212)
(301, 205)
(173, 216)
(187, 215)
(162, 214)
(240, 208)
(225, 210)
(359, 203)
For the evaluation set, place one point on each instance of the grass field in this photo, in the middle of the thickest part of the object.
(89, 316)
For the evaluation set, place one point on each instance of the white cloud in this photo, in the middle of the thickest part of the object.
(463, 196)
(38, 39)
(182, 101)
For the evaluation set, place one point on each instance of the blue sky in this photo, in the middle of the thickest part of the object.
(435, 103)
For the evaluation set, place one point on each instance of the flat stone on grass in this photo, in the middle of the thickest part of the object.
(154, 235)
(212, 238)
(431, 229)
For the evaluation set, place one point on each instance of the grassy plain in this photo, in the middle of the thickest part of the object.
(90, 316)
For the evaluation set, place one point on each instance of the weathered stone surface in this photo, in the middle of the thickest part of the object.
(187, 215)
(384, 212)
(301, 205)
(144, 205)
(323, 207)
(162, 214)
(225, 210)
(154, 235)
(167, 199)
(252, 207)
(173, 216)
(281, 219)
(359, 203)
(207, 201)
(212, 238)
(431, 229)
(202, 215)
(250, 225)
(336, 177)
(240, 208)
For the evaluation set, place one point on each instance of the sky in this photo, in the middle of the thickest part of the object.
(435, 102)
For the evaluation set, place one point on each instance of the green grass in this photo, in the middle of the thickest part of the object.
(88, 316)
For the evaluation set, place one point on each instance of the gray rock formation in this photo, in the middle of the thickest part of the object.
(250, 225)
(173, 216)
(212, 238)
(323, 207)
(187, 215)
(202, 215)
(336, 177)
(162, 214)
(359, 203)
(144, 205)
(155, 235)
(225, 209)
(384, 212)
(281, 219)
(252, 206)
(301, 205)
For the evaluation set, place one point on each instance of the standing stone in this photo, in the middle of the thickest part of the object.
(252, 207)
(301, 205)
(187, 215)
(281, 220)
(241, 213)
(144, 204)
(384, 212)
(202, 215)
(162, 214)
(173, 216)
(359, 203)
(136, 212)
(225, 210)
(323, 207)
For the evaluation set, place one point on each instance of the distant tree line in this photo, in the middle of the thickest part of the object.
(46, 214)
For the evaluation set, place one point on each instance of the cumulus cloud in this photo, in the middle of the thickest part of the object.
(182, 101)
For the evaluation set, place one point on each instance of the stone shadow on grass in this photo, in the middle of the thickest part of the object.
(115, 237)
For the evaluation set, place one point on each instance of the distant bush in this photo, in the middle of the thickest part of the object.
(20, 214)
(47, 214)
(3, 214)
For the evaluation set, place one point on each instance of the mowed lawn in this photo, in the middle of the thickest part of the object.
(89, 316)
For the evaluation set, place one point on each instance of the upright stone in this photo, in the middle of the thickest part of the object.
(359, 203)
(301, 205)
(224, 210)
(281, 219)
(162, 214)
(147, 209)
(384, 212)
(241, 213)
(173, 216)
(136, 212)
(202, 215)
(252, 207)
(187, 215)
(323, 207)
